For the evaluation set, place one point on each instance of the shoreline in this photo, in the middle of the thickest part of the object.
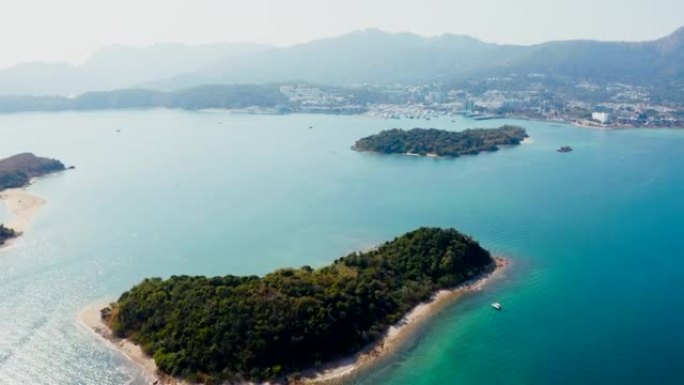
(339, 372)
(432, 155)
(22, 207)
(334, 373)
(90, 319)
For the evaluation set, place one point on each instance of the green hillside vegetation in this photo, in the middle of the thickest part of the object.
(260, 328)
(441, 142)
(17, 170)
(5, 234)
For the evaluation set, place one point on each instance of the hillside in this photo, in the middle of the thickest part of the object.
(377, 57)
(648, 62)
(362, 57)
(259, 328)
(117, 67)
(17, 171)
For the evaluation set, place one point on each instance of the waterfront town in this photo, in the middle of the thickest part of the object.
(612, 105)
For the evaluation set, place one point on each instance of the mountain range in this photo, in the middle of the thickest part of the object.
(117, 67)
(363, 57)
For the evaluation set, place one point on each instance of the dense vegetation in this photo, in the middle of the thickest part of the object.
(5, 234)
(441, 142)
(17, 170)
(252, 328)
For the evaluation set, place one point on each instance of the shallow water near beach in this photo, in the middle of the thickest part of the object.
(593, 236)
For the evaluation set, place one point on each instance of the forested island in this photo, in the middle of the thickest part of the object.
(17, 171)
(431, 141)
(249, 328)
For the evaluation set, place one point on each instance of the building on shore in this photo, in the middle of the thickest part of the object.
(601, 117)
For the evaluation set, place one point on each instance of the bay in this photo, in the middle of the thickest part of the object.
(594, 236)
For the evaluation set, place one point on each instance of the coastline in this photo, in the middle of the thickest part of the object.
(334, 373)
(90, 318)
(339, 372)
(595, 126)
(22, 207)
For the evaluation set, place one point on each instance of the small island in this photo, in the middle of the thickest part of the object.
(434, 142)
(294, 323)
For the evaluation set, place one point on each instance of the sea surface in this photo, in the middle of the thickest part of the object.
(594, 237)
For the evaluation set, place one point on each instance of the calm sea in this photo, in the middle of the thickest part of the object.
(594, 294)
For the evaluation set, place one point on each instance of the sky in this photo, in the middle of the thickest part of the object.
(70, 30)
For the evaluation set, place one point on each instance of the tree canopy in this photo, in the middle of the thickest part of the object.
(261, 328)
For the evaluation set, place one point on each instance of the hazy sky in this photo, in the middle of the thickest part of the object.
(68, 30)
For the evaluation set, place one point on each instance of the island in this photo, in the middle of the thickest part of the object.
(17, 171)
(293, 324)
(434, 142)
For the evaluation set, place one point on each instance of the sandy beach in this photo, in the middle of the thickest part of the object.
(22, 207)
(341, 371)
(90, 318)
(336, 372)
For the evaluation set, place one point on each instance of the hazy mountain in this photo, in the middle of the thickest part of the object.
(369, 56)
(373, 56)
(135, 65)
(117, 67)
(636, 62)
(41, 78)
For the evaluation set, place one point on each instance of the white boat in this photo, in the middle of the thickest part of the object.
(496, 305)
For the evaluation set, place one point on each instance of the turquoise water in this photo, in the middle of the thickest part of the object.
(593, 295)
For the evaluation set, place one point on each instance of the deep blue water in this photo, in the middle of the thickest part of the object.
(593, 295)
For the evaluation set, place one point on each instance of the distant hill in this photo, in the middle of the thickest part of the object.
(199, 97)
(377, 57)
(40, 78)
(648, 62)
(364, 57)
(131, 66)
(117, 67)
(369, 56)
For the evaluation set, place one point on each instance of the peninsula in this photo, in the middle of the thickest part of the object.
(434, 142)
(15, 173)
(292, 322)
